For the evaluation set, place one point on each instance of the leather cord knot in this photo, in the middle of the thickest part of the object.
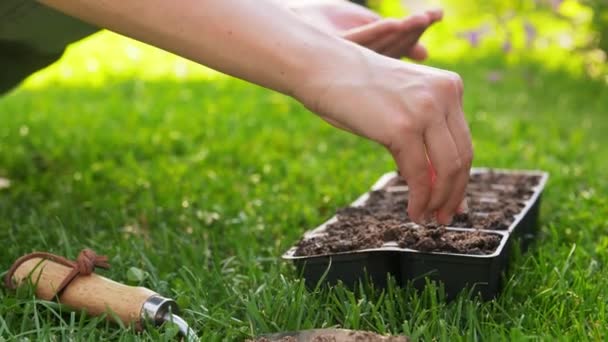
(85, 265)
(87, 261)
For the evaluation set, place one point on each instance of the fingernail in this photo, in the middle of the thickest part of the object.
(445, 219)
(421, 220)
(464, 206)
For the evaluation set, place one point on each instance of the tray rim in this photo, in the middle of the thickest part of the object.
(388, 176)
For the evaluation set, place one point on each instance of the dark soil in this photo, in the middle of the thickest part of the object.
(338, 336)
(493, 200)
(371, 337)
(283, 339)
(358, 232)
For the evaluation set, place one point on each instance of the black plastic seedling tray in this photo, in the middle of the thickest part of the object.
(480, 273)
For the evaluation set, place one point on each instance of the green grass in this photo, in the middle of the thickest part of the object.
(203, 181)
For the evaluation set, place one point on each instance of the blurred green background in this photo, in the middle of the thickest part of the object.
(571, 34)
(195, 182)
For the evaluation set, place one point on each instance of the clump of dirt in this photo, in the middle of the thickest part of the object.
(282, 339)
(493, 200)
(337, 335)
(365, 336)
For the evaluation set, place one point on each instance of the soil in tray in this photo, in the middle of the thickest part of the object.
(493, 199)
(357, 232)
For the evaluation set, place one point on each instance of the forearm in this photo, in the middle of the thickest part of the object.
(254, 40)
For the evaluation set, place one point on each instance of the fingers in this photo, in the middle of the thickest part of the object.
(435, 15)
(448, 166)
(407, 44)
(384, 35)
(383, 43)
(413, 164)
(370, 33)
(462, 138)
(452, 205)
(396, 38)
(418, 53)
(403, 38)
(403, 44)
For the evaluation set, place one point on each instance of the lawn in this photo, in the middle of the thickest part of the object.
(202, 181)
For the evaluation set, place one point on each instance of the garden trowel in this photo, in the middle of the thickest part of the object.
(96, 295)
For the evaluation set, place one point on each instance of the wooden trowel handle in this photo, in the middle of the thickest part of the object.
(93, 293)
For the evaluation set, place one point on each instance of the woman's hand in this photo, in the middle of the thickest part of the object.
(391, 37)
(415, 112)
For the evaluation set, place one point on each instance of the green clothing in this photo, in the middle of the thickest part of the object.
(32, 37)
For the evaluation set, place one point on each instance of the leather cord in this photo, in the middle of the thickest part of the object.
(84, 265)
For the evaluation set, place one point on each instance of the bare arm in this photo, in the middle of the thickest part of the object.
(254, 40)
(414, 111)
